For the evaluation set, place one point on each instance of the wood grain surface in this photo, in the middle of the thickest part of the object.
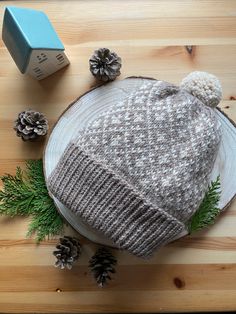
(196, 273)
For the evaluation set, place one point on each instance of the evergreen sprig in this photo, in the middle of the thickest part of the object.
(208, 210)
(26, 194)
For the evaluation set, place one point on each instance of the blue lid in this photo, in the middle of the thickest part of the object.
(27, 29)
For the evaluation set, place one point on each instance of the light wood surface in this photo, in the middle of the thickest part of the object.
(193, 274)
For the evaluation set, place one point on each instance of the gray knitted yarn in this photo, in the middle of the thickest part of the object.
(140, 170)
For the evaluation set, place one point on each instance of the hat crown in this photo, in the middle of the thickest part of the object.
(162, 141)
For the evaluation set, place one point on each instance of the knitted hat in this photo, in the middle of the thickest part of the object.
(139, 171)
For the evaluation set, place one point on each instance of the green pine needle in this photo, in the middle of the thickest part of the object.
(26, 194)
(208, 210)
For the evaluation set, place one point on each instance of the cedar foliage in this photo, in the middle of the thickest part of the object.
(26, 194)
(208, 210)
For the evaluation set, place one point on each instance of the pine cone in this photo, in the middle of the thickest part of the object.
(68, 251)
(102, 263)
(105, 65)
(31, 125)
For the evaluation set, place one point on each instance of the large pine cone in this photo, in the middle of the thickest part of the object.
(31, 125)
(105, 65)
(102, 264)
(68, 252)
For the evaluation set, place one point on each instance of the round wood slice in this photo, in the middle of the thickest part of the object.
(89, 106)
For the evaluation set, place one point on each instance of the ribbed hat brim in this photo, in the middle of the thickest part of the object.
(110, 205)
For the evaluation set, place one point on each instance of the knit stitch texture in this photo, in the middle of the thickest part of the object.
(139, 171)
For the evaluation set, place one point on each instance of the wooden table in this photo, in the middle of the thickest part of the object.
(193, 274)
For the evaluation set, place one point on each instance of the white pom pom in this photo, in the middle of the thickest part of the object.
(204, 86)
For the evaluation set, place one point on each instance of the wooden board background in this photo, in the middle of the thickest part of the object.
(193, 274)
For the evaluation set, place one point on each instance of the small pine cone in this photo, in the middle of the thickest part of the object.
(105, 65)
(30, 125)
(102, 264)
(68, 252)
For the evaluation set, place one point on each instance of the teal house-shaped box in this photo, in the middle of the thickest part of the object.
(32, 42)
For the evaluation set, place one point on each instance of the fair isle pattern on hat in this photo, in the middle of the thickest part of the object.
(140, 170)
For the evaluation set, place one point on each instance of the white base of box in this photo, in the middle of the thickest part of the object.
(45, 62)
